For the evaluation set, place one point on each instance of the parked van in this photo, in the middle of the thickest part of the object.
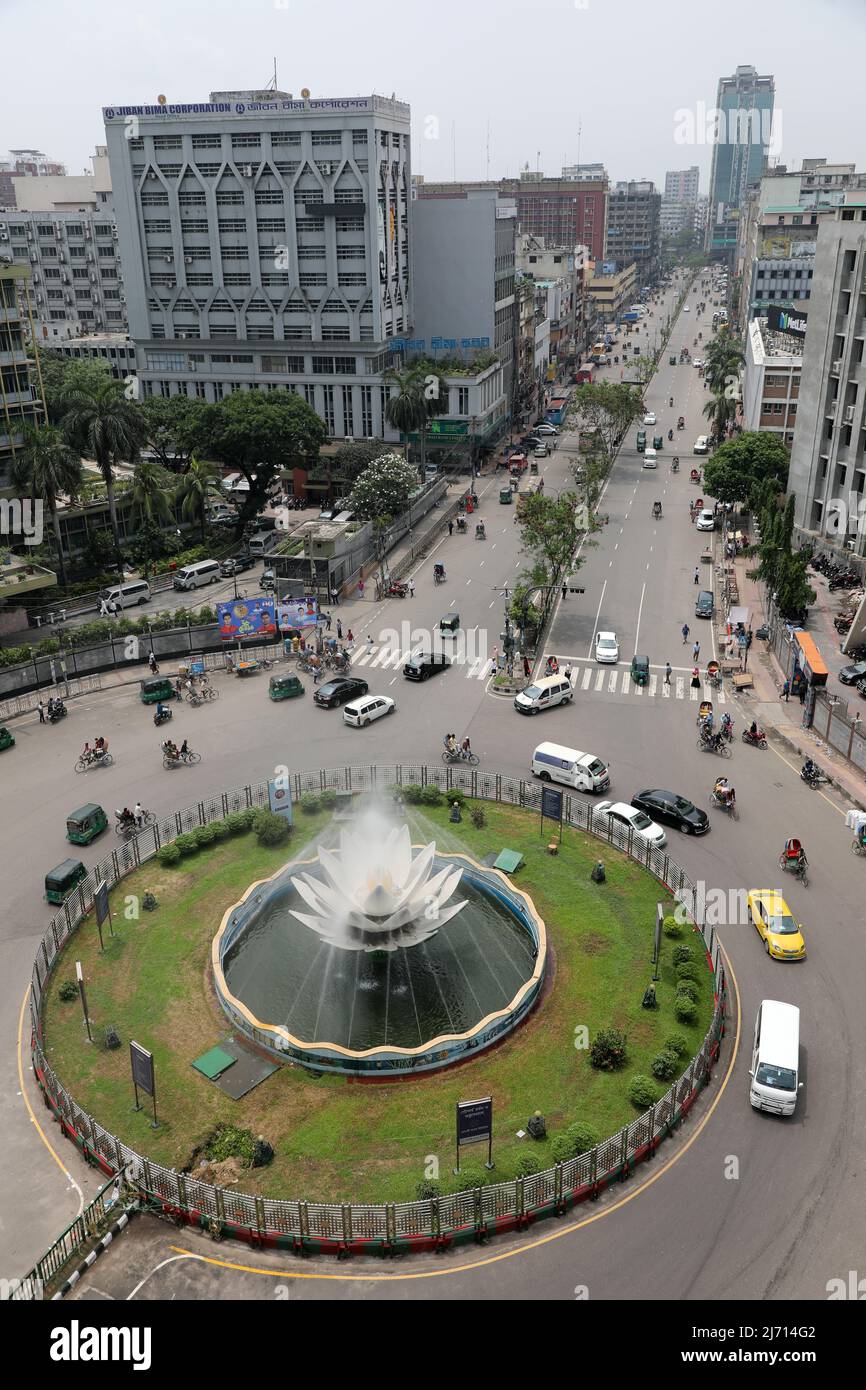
(127, 595)
(775, 1069)
(584, 771)
(544, 694)
(264, 542)
(195, 576)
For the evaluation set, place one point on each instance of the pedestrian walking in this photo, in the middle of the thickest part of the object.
(369, 641)
(856, 723)
(339, 630)
(360, 588)
(749, 636)
(786, 690)
(527, 669)
(696, 651)
(112, 608)
(327, 622)
(802, 692)
(564, 590)
(667, 673)
(151, 661)
(696, 679)
(685, 633)
(41, 708)
(178, 689)
(411, 588)
(451, 528)
(697, 575)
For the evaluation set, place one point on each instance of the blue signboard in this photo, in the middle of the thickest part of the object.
(246, 617)
(280, 799)
(551, 803)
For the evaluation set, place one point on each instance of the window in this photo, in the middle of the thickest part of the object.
(351, 277)
(44, 229)
(103, 251)
(280, 362)
(331, 138)
(51, 274)
(348, 411)
(310, 396)
(206, 142)
(281, 139)
(351, 253)
(359, 137)
(200, 390)
(310, 253)
(266, 196)
(270, 224)
(246, 142)
(197, 253)
(167, 142)
(171, 171)
(232, 357)
(207, 171)
(165, 361)
(323, 366)
(228, 200)
(79, 274)
(160, 224)
(366, 411)
(336, 334)
(74, 229)
(463, 400)
(160, 200)
(310, 280)
(344, 366)
(350, 224)
(189, 200)
(329, 409)
(232, 278)
(108, 272)
(309, 195)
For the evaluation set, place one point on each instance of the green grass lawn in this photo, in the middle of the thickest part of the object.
(342, 1140)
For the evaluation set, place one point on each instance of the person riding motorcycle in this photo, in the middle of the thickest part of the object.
(727, 725)
(809, 771)
(672, 403)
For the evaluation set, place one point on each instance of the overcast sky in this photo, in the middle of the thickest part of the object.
(493, 84)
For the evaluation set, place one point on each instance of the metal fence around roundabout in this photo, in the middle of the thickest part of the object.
(391, 1227)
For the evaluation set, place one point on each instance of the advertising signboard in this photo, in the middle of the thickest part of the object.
(297, 612)
(246, 617)
(280, 798)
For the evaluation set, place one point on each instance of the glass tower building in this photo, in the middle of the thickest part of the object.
(744, 117)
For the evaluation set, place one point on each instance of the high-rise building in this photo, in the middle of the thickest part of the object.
(565, 212)
(20, 399)
(681, 185)
(633, 214)
(744, 117)
(76, 284)
(828, 459)
(265, 243)
(35, 164)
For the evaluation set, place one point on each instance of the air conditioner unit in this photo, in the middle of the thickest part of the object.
(88, 233)
(61, 258)
(181, 335)
(169, 256)
(34, 258)
(114, 233)
(187, 260)
(123, 299)
(4, 236)
(849, 414)
(93, 277)
(837, 366)
(831, 410)
(29, 233)
(248, 171)
(68, 298)
(35, 277)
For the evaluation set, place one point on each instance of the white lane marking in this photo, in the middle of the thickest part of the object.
(611, 685)
(639, 612)
(653, 681)
(587, 677)
(626, 682)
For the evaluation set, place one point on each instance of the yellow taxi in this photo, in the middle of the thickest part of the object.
(779, 929)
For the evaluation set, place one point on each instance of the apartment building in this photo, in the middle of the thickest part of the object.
(771, 378)
(564, 211)
(74, 270)
(633, 215)
(20, 397)
(266, 243)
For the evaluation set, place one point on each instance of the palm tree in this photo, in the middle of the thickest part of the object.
(720, 411)
(422, 394)
(149, 492)
(47, 468)
(102, 424)
(194, 489)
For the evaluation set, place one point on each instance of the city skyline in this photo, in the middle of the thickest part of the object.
(485, 119)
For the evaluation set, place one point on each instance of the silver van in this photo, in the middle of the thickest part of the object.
(552, 762)
(264, 543)
(544, 694)
(195, 576)
(775, 1070)
(127, 595)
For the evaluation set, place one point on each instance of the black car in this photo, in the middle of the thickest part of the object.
(236, 565)
(337, 692)
(669, 808)
(425, 664)
(852, 675)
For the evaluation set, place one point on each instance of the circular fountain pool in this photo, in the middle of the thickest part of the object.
(320, 990)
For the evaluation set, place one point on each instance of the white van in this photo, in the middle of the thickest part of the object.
(264, 542)
(583, 771)
(544, 694)
(127, 595)
(775, 1065)
(194, 576)
(701, 444)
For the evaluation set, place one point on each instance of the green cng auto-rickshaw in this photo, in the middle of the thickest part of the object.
(640, 669)
(85, 824)
(284, 687)
(6, 739)
(64, 880)
(641, 441)
(156, 688)
(505, 495)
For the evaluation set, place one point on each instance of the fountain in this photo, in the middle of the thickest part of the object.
(359, 960)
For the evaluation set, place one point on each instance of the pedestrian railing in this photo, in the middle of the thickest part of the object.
(439, 1221)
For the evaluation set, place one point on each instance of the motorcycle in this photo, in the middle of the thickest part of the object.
(726, 728)
(714, 743)
(56, 710)
(397, 589)
(460, 757)
(811, 774)
(758, 740)
(721, 804)
(161, 716)
(675, 466)
(670, 436)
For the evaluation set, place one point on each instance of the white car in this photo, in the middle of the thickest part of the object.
(650, 459)
(686, 308)
(707, 520)
(650, 417)
(606, 647)
(702, 444)
(697, 362)
(630, 818)
(368, 708)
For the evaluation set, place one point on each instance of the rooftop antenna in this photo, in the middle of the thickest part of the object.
(272, 84)
(487, 166)
(453, 152)
(579, 131)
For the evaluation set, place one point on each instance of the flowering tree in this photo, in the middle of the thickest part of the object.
(383, 489)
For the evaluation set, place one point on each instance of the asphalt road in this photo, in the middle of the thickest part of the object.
(752, 1207)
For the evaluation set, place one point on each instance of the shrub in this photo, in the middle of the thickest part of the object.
(685, 1009)
(582, 1136)
(309, 803)
(690, 970)
(561, 1149)
(607, 1050)
(426, 1189)
(431, 795)
(204, 836)
(328, 799)
(168, 854)
(678, 1043)
(649, 1000)
(149, 902)
(671, 927)
(228, 1141)
(641, 1092)
(412, 793)
(478, 817)
(271, 829)
(456, 794)
(682, 954)
(220, 830)
(187, 844)
(688, 989)
(527, 1164)
(665, 1065)
(239, 821)
(112, 1038)
(68, 990)
(471, 1177)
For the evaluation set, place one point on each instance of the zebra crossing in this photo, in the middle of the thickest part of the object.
(388, 658)
(607, 680)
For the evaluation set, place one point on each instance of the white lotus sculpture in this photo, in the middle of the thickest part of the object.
(376, 897)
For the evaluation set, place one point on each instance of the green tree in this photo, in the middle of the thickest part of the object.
(196, 485)
(101, 424)
(350, 460)
(60, 375)
(258, 433)
(609, 407)
(149, 545)
(550, 529)
(173, 427)
(757, 459)
(383, 489)
(150, 492)
(421, 394)
(721, 411)
(46, 469)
